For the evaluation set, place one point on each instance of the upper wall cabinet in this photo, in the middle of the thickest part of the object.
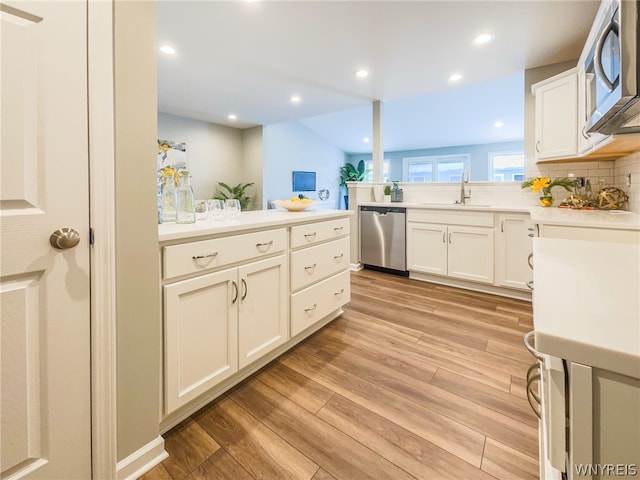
(560, 114)
(556, 116)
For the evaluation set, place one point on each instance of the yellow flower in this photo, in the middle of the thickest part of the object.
(540, 184)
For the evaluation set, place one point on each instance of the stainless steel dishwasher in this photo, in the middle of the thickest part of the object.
(383, 239)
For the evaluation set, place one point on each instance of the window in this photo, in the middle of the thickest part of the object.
(441, 168)
(506, 166)
(385, 171)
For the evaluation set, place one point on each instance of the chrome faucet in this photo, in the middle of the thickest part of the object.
(464, 178)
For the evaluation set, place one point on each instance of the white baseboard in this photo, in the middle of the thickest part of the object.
(142, 460)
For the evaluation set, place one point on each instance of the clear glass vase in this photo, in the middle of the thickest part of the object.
(185, 203)
(168, 199)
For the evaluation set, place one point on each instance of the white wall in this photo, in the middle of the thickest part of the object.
(214, 152)
(292, 146)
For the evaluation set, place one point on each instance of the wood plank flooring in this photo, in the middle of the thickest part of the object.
(414, 381)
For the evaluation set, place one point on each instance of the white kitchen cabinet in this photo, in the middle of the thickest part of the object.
(228, 298)
(320, 278)
(455, 244)
(556, 116)
(263, 308)
(513, 247)
(427, 248)
(200, 335)
(218, 323)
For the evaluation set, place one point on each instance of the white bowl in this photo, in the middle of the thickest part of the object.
(294, 206)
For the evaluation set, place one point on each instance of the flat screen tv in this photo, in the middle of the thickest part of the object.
(304, 181)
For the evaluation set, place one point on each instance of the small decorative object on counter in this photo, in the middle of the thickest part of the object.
(544, 185)
(168, 198)
(387, 194)
(185, 210)
(611, 198)
(397, 194)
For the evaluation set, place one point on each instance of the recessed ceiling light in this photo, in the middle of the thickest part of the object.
(362, 73)
(482, 39)
(499, 124)
(365, 139)
(168, 49)
(455, 77)
(232, 116)
(295, 99)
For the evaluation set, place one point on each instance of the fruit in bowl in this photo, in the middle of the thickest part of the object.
(295, 204)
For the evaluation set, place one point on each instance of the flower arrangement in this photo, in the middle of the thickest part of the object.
(544, 185)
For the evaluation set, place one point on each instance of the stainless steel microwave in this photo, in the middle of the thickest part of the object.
(611, 70)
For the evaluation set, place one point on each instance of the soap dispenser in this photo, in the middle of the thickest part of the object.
(396, 193)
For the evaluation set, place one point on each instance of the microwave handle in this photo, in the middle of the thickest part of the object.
(597, 60)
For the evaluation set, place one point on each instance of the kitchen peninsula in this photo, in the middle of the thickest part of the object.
(238, 293)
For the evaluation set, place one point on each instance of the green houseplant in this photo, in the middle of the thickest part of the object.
(237, 192)
(351, 173)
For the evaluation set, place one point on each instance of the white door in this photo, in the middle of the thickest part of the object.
(44, 291)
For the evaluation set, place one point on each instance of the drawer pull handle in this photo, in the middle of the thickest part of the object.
(246, 289)
(311, 268)
(339, 293)
(530, 260)
(337, 257)
(264, 244)
(200, 257)
(338, 229)
(530, 285)
(311, 309)
(310, 236)
(235, 291)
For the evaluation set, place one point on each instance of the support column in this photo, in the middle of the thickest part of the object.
(378, 151)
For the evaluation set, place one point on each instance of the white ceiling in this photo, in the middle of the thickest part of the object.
(250, 58)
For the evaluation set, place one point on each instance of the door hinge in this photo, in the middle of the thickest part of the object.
(90, 236)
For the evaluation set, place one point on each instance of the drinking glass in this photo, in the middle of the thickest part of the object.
(202, 210)
(216, 210)
(232, 207)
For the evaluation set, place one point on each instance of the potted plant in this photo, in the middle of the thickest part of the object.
(238, 192)
(544, 186)
(387, 193)
(351, 173)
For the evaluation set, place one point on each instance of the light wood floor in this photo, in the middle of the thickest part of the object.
(414, 381)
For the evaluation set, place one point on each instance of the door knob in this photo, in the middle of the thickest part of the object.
(64, 238)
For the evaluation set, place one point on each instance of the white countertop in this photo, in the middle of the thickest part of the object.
(449, 206)
(618, 219)
(250, 220)
(586, 302)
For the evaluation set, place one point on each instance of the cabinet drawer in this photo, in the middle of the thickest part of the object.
(471, 218)
(194, 257)
(317, 232)
(315, 263)
(316, 302)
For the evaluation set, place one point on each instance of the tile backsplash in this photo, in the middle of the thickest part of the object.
(614, 172)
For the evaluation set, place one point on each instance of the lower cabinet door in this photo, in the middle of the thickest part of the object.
(470, 253)
(263, 317)
(200, 335)
(427, 248)
(312, 304)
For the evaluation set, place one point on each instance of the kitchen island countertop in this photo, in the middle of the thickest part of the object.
(246, 221)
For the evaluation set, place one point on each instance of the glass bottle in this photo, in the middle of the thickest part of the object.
(185, 200)
(168, 199)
